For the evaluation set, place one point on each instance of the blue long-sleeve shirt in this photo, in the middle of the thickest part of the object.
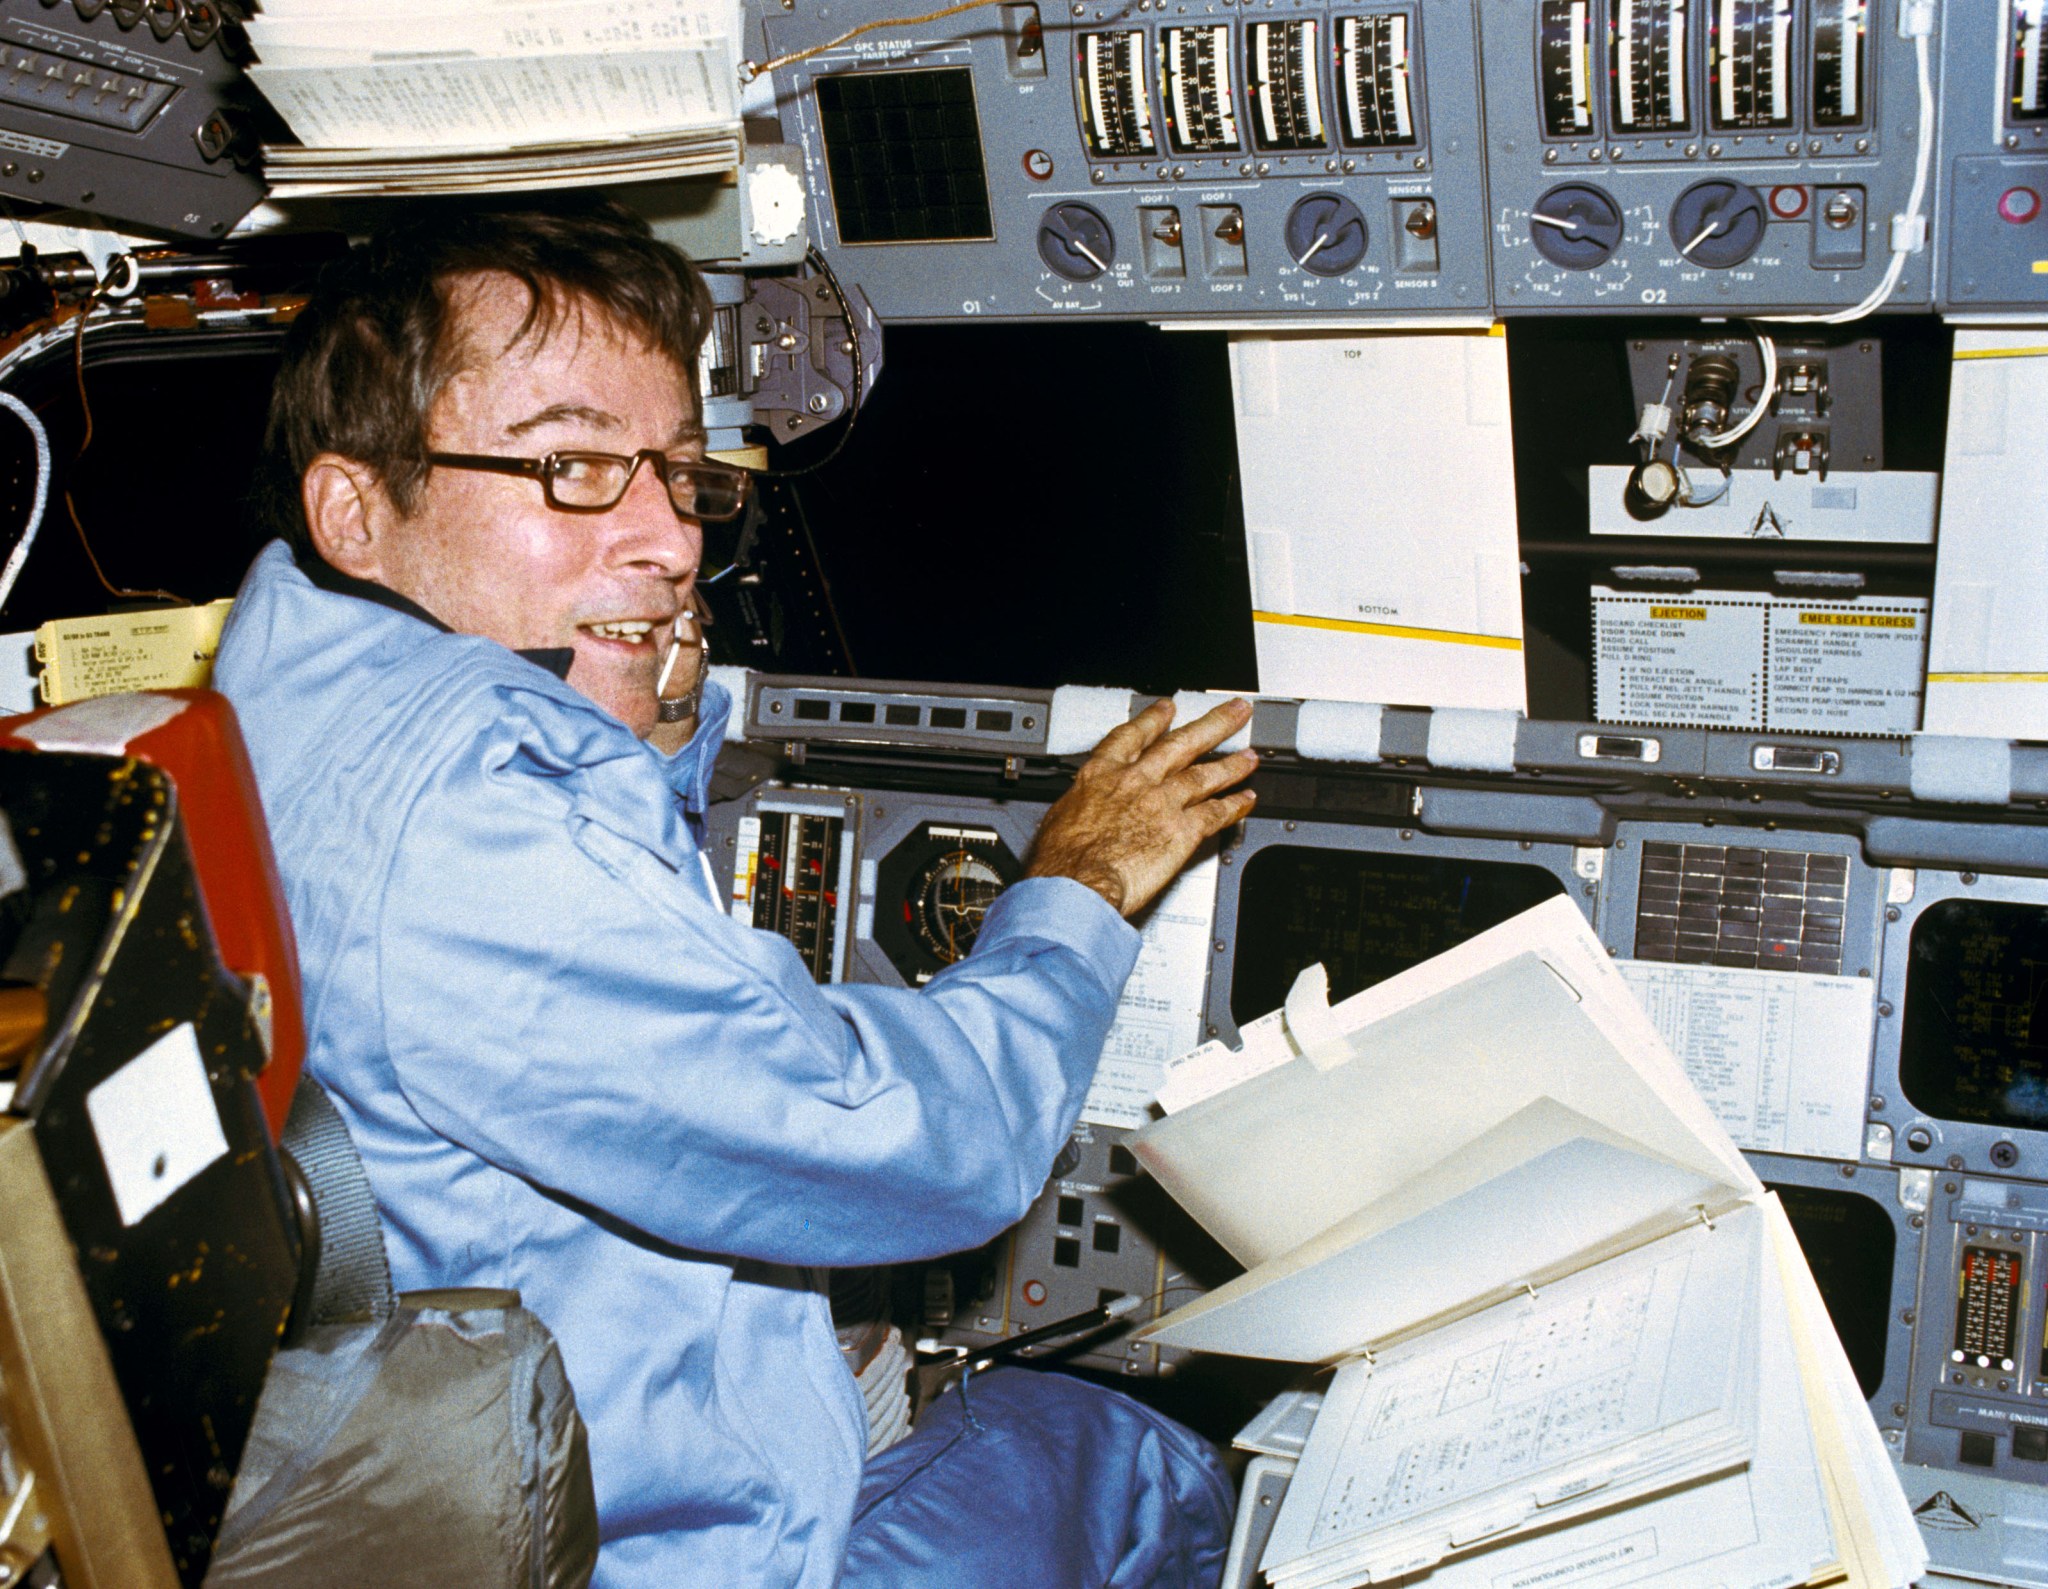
(571, 1073)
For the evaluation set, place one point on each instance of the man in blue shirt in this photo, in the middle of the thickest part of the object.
(569, 1071)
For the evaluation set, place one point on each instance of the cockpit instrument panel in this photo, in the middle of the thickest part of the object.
(1992, 234)
(1870, 1031)
(1659, 155)
(1111, 159)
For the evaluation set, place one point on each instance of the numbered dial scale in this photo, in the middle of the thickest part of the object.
(1223, 89)
(1661, 61)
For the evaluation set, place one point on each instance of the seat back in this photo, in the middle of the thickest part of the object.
(142, 1086)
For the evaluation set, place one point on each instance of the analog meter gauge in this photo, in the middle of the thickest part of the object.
(1749, 65)
(949, 898)
(932, 891)
(1648, 68)
(1841, 64)
(1326, 234)
(1576, 225)
(1076, 242)
(1718, 223)
(1283, 83)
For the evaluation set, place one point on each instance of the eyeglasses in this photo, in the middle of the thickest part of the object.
(592, 482)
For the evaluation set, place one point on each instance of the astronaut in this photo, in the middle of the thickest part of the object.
(568, 1070)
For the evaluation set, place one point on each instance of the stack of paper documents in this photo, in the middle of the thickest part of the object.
(1574, 1339)
(462, 96)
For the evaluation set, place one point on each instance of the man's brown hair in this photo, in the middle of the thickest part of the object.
(373, 348)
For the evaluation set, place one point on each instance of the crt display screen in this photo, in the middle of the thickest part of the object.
(1849, 1244)
(1366, 916)
(1974, 1037)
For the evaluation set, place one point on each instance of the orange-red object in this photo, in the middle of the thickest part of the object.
(201, 751)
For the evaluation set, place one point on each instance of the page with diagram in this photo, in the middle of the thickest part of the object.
(1637, 1374)
(1761, 1526)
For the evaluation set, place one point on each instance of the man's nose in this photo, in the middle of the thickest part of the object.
(648, 533)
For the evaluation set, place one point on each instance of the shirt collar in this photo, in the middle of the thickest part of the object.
(556, 659)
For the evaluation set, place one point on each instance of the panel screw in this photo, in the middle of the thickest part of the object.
(1891, 913)
(1955, 1161)
(1906, 1316)
(1884, 1008)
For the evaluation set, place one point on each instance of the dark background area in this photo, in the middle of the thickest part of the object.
(1017, 505)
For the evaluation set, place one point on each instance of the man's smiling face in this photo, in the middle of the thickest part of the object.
(485, 553)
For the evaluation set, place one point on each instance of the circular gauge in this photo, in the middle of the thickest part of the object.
(1718, 223)
(948, 899)
(1326, 234)
(1576, 225)
(933, 886)
(1076, 242)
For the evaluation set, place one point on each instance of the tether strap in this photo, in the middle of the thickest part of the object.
(353, 1280)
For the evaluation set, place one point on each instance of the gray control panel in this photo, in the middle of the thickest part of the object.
(1994, 156)
(1660, 155)
(1147, 159)
(1766, 891)
(1330, 161)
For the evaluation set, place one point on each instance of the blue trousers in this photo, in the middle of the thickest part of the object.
(1026, 1480)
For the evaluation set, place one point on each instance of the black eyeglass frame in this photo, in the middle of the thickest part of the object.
(544, 469)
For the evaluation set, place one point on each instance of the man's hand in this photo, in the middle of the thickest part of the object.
(1142, 803)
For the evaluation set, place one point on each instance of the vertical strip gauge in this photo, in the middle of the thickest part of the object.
(1283, 83)
(1194, 88)
(1564, 65)
(1841, 61)
(2029, 75)
(1374, 81)
(1116, 112)
(1749, 67)
(1649, 63)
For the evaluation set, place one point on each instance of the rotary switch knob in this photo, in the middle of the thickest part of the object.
(1076, 242)
(1576, 226)
(1718, 223)
(1326, 234)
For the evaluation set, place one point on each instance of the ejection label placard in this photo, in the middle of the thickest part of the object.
(1726, 660)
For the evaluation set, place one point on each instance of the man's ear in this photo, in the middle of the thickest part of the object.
(346, 513)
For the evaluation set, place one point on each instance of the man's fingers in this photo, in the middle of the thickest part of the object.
(1216, 815)
(1206, 778)
(1191, 740)
(1128, 741)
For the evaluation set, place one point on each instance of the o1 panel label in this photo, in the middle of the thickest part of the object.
(1729, 660)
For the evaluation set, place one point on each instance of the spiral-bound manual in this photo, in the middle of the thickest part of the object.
(1553, 1289)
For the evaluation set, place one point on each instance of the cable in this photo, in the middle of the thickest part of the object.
(1908, 230)
(749, 71)
(816, 261)
(1758, 409)
(1686, 498)
(104, 289)
(19, 555)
